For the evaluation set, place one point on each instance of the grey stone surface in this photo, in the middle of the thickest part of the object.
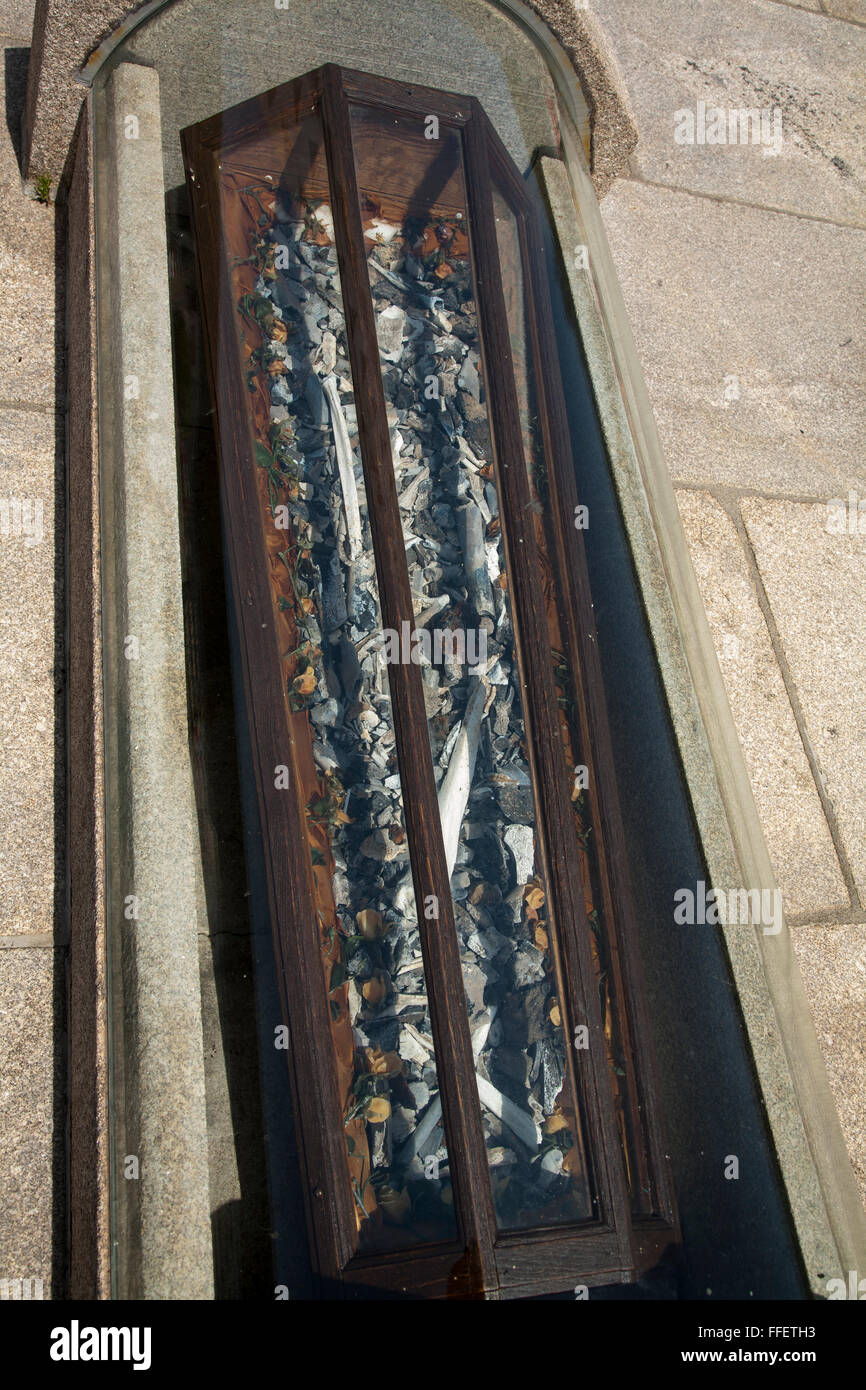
(855, 10)
(16, 19)
(588, 45)
(27, 355)
(816, 585)
(833, 965)
(749, 328)
(27, 668)
(752, 55)
(797, 833)
(31, 1136)
(63, 36)
(153, 847)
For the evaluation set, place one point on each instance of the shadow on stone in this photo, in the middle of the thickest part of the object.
(17, 63)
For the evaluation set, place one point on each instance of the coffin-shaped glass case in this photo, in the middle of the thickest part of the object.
(451, 912)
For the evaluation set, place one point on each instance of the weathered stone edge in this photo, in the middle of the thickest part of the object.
(161, 1208)
(613, 125)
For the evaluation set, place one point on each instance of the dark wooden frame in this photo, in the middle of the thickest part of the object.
(482, 1263)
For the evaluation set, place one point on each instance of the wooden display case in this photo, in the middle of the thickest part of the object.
(395, 459)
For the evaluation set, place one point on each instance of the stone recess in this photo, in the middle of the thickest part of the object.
(816, 584)
(833, 964)
(749, 327)
(788, 803)
(65, 37)
(469, 49)
(715, 290)
(755, 55)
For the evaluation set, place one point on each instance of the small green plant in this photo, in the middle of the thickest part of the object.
(42, 186)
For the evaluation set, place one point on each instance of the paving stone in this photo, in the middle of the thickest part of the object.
(31, 1140)
(832, 962)
(854, 10)
(816, 585)
(674, 53)
(751, 334)
(797, 833)
(29, 732)
(16, 19)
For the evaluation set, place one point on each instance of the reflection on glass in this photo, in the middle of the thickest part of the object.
(316, 528)
(413, 211)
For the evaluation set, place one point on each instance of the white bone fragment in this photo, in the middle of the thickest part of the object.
(389, 332)
(389, 275)
(470, 529)
(326, 355)
(422, 1038)
(344, 463)
(426, 614)
(409, 494)
(419, 1136)
(448, 745)
(406, 1001)
(520, 1124)
(476, 487)
(454, 791)
(493, 567)
(481, 1030)
(382, 232)
(456, 784)
(467, 453)
(325, 219)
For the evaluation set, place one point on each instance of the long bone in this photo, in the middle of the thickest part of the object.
(430, 1119)
(456, 784)
(344, 464)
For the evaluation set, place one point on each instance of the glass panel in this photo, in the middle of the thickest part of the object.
(279, 233)
(413, 210)
(628, 1113)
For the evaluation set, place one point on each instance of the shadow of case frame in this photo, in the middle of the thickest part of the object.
(483, 1262)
